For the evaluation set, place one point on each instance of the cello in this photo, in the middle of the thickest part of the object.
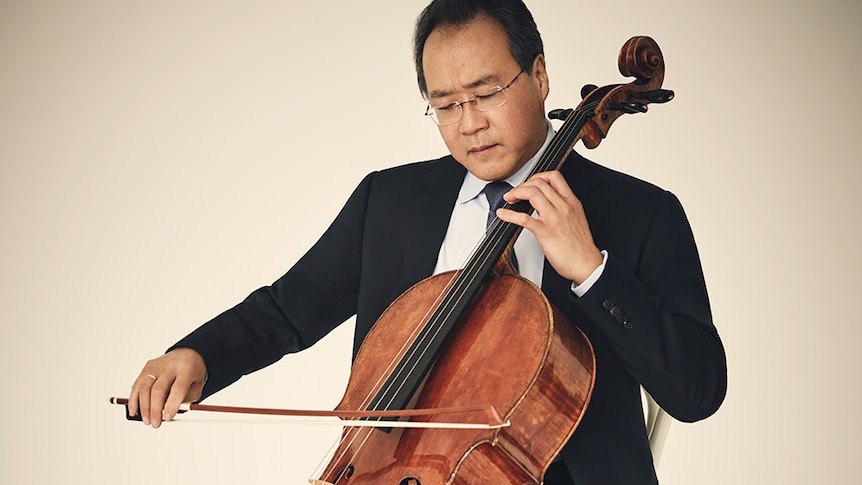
(456, 329)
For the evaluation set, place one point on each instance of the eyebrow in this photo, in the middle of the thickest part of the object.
(491, 78)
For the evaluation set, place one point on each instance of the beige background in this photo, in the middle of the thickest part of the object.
(162, 159)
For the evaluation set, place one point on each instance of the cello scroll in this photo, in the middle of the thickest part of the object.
(641, 58)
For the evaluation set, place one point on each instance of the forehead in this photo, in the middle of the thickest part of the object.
(458, 59)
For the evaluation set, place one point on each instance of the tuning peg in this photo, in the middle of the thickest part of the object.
(560, 114)
(658, 95)
(587, 89)
(631, 107)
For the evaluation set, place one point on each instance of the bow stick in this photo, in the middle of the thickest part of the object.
(354, 418)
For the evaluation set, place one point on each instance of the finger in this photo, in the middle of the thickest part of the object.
(556, 183)
(133, 400)
(158, 394)
(142, 389)
(560, 196)
(177, 395)
(554, 178)
(522, 219)
(554, 187)
(537, 191)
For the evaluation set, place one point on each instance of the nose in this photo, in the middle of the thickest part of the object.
(472, 120)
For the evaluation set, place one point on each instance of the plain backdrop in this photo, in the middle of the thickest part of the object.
(160, 160)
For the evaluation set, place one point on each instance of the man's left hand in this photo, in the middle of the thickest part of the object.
(560, 226)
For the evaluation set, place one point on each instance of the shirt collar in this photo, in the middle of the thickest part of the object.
(473, 186)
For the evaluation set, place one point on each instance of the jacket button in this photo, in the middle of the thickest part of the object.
(616, 312)
(627, 324)
(607, 304)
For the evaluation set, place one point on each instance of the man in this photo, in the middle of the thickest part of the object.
(613, 253)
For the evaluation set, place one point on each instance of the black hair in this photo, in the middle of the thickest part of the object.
(525, 42)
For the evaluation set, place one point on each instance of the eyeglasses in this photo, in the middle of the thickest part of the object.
(491, 99)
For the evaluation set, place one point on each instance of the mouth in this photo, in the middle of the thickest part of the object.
(481, 149)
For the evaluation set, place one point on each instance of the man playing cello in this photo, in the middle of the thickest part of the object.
(614, 253)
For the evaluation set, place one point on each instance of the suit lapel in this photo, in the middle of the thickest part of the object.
(429, 210)
(582, 177)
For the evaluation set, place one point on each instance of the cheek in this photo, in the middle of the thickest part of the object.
(511, 125)
(450, 137)
(528, 112)
(526, 120)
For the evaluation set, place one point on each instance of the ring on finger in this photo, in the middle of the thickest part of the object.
(152, 377)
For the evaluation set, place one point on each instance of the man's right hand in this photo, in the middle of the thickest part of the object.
(166, 382)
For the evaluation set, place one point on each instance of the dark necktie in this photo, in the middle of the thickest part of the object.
(494, 192)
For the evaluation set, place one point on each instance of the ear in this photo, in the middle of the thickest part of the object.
(540, 73)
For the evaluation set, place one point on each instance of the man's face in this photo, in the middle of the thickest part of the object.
(471, 59)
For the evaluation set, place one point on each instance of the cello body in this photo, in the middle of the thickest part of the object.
(537, 372)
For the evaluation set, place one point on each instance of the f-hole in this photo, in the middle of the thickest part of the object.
(346, 473)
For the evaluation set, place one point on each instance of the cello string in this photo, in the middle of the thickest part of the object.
(364, 434)
(404, 350)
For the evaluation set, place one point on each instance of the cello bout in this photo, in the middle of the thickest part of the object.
(555, 375)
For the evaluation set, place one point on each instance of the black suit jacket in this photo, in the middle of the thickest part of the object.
(648, 316)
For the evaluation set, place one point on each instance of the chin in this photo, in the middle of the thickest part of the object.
(495, 173)
(488, 171)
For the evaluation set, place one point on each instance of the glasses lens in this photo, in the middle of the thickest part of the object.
(491, 100)
(445, 115)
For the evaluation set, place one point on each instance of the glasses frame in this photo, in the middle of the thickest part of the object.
(431, 111)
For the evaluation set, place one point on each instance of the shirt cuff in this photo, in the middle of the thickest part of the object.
(583, 288)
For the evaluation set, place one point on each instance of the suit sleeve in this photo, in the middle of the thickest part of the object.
(655, 312)
(317, 294)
